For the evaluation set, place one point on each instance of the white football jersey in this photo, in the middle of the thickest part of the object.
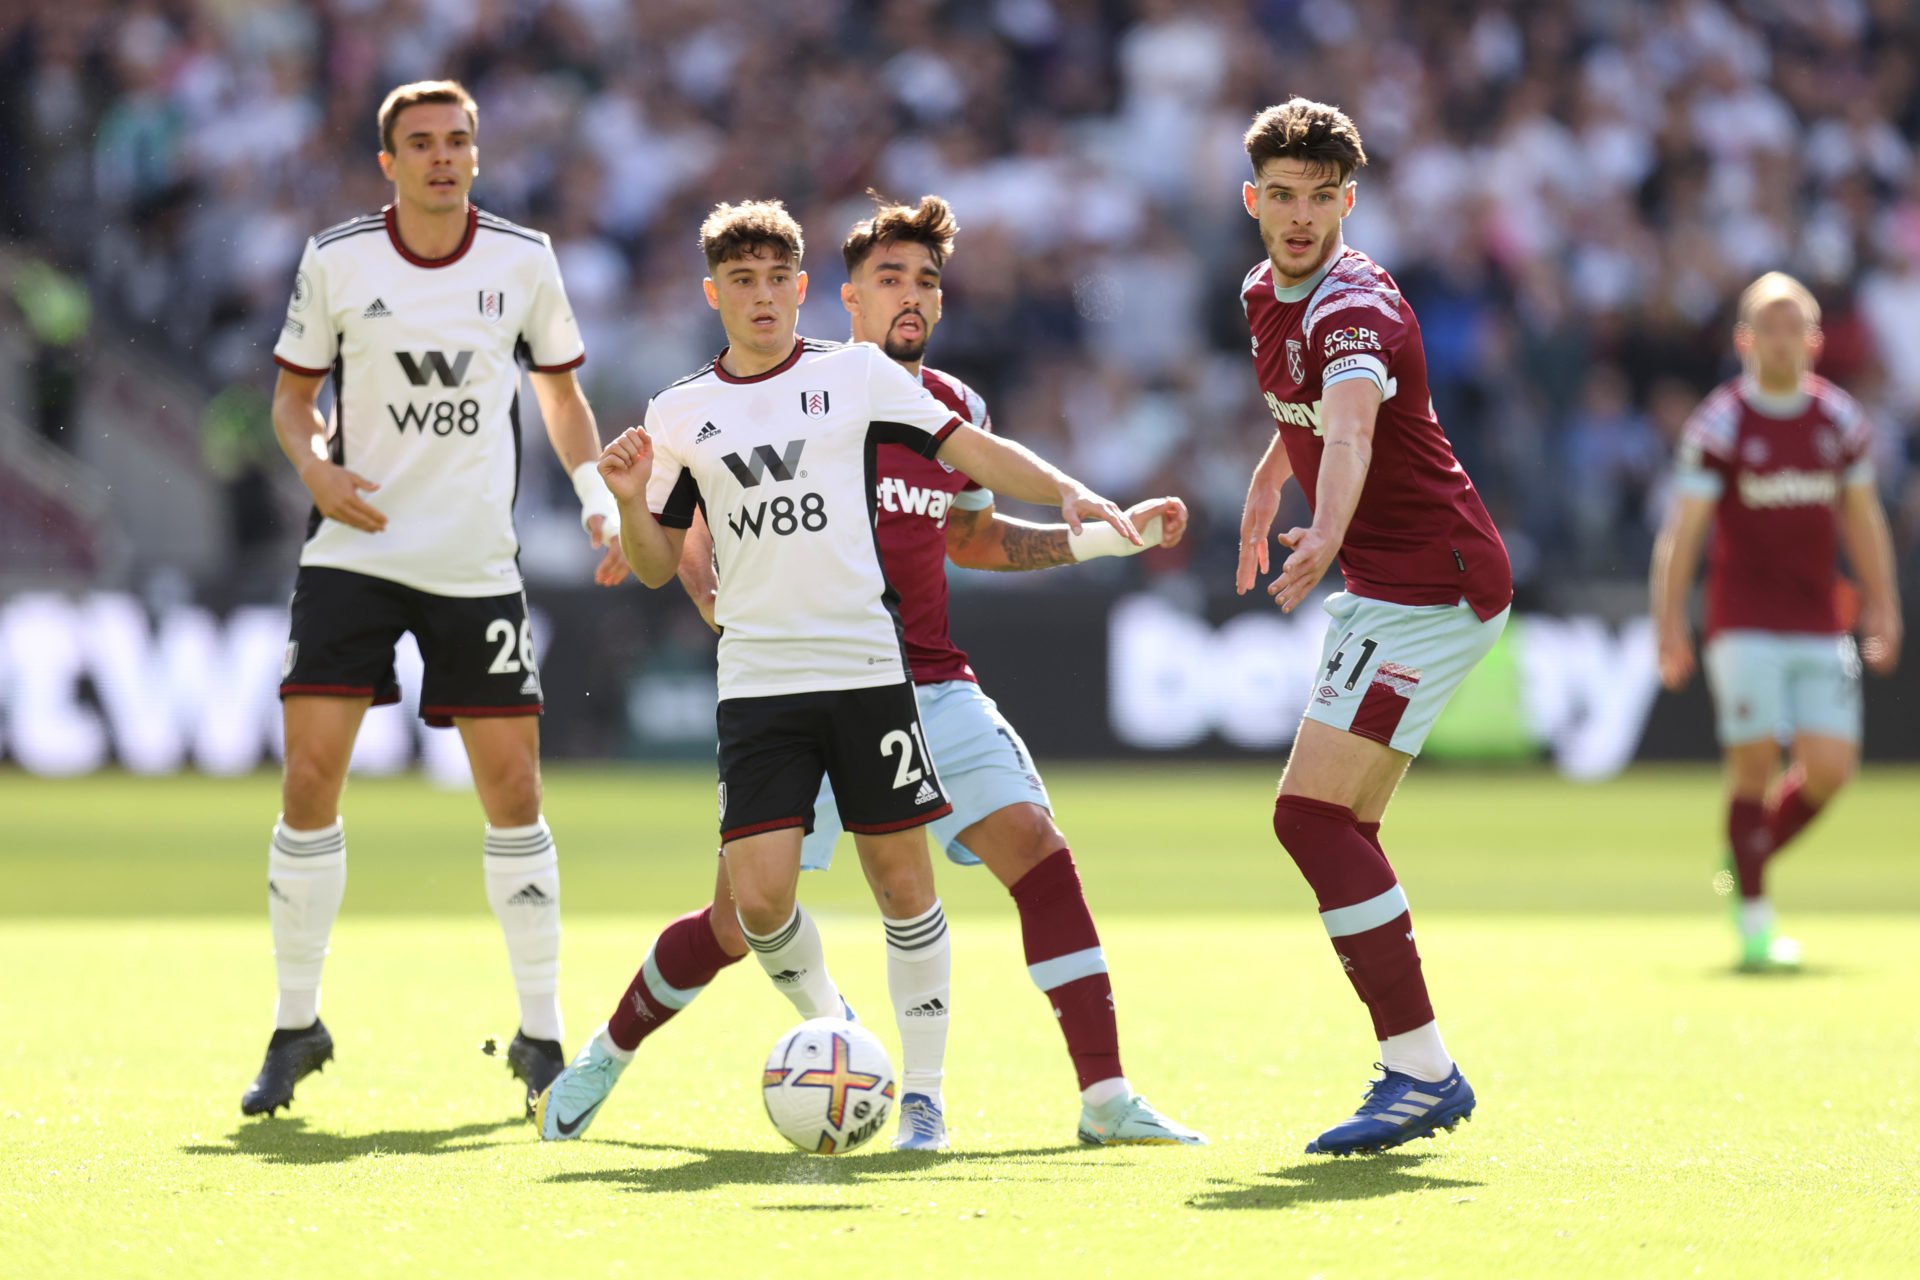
(426, 381)
(783, 465)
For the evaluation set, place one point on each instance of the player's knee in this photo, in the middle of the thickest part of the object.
(310, 789)
(1014, 841)
(1826, 773)
(761, 911)
(513, 796)
(901, 887)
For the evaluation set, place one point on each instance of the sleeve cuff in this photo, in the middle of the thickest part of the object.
(975, 499)
(574, 363)
(940, 436)
(1698, 482)
(301, 369)
(668, 520)
(1861, 473)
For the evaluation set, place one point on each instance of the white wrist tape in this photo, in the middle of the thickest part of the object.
(1098, 538)
(595, 498)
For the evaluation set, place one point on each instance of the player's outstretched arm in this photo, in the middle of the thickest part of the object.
(1863, 529)
(1019, 472)
(1348, 410)
(302, 433)
(1256, 518)
(1676, 562)
(651, 548)
(575, 438)
(985, 539)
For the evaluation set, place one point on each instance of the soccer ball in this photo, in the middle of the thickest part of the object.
(828, 1086)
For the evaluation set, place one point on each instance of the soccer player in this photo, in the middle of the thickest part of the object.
(775, 442)
(418, 314)
(1338, 356)
(1775, 463)
(1002, 817)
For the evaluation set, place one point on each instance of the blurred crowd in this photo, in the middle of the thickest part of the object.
(1572, 195)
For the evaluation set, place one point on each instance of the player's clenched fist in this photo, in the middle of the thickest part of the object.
(626, 464)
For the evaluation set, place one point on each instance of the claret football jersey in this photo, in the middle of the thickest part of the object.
(784, 465)
(1420, 534)
(424, 357)
(1776, 467)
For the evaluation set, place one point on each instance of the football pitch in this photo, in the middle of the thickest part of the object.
(1644, 1111)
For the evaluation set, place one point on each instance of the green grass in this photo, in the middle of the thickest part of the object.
(1643, 1110)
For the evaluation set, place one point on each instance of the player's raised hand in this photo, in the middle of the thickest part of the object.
(1676, 655)
(613, 568)
(336, 493)
(1256, 519)
(1079, 504)
(1312, 555)
(1880, 636)
(626, 464)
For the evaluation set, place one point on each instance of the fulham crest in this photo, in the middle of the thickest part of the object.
(1296, 364)
(493, 304)
(813, 403)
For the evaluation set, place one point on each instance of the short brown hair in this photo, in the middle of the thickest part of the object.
(412, 95)
(930, 223)
(1313, 132)
(1776, 286)
(747, 229)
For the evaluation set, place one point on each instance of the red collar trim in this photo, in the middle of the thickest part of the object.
(466, 241)
(720, 369)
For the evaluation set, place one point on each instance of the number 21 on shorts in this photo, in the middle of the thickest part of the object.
(897, 742)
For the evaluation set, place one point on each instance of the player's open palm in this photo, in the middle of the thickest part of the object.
(1311, 555)
(626, 464)
(336, 494)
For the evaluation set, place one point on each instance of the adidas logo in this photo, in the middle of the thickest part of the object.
(530, 686)
(926, 794)
(377, 310)
(530, 897)
(274, 891)
(931, 1009)
(707, 432)
(789, 976)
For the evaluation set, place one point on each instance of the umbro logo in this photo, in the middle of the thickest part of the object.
(530, 897)
(707, 432)
(788, 977)
(376, 310)
(926, 794)
(931, 1009)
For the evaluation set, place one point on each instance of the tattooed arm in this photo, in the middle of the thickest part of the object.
(985, 539)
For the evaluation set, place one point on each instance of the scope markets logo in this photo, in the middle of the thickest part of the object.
(1351, 338)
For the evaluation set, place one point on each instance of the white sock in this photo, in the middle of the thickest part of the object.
(792, 957)
(1101, 1092)
(919, 978)
(1419, 1053)
(1756, 917)
(608, 1047)
(523, 886)
(306, 878)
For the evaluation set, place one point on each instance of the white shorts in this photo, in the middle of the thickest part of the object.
(1387, 670)
(1771, 684)
(983, 766)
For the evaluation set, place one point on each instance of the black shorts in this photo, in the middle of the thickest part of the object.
(478, 651)
(775, 750)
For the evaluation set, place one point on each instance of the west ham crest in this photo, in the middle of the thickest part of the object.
(1296, 361)
(493, 304)
(813, 403)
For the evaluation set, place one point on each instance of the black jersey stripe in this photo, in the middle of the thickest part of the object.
(348, 235)
(511, 230)
(349, 227)
(701, 372)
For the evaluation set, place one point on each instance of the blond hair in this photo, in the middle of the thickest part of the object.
(420, 91)
(1776, 286)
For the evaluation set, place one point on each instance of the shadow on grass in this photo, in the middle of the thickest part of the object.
(289, 1141)
(1781, 973)
(1324, 1181)
(713, 1168)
